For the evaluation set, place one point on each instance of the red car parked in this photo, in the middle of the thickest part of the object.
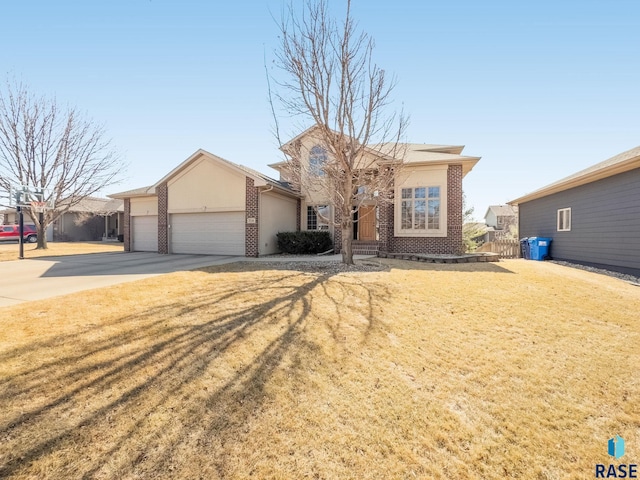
(11, 233)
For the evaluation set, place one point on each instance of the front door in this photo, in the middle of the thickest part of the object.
(367, 223)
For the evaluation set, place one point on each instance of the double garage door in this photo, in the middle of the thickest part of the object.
(220, 233)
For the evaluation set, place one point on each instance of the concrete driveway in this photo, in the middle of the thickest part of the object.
(45, 277)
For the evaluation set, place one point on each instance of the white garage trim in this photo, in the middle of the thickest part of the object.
(144, 233)
(219, 233)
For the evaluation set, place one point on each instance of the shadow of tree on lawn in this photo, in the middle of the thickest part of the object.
(164, 391)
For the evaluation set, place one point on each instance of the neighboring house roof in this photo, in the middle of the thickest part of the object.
(95, 205)
(114, 205)
(410, 153)
(624, 162)
(502, 211)
(260, 179)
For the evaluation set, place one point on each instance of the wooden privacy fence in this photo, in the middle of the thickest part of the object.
(505, 248)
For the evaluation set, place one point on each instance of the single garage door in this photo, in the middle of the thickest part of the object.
(220, 233)
(145, 233)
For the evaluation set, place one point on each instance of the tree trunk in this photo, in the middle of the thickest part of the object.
(42, 233)
(347, 249)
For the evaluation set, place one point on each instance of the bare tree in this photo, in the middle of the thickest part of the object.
(54, 150)
(471, 230)
(333, 82)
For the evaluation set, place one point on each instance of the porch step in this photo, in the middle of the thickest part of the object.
(365, 248)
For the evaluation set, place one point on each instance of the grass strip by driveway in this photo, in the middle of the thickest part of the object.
(10, 250)
(477, 371)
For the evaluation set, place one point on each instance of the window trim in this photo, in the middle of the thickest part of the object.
(564, 214)
(314, 209)
(441, 231)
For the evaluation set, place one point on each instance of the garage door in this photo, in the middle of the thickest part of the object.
(145, 233)
(220, 233)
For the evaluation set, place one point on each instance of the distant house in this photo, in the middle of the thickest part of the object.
(91, 219)
(593, 215)
(8, 216)
(501, 222)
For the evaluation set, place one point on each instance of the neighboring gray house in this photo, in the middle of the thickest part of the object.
(593, 216)
(92, 218)
(501, 222)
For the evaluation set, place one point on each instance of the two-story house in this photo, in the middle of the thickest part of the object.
(209, 205)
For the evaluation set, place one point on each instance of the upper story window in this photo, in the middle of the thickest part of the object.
(564, 220)
(317, 160)
(420, 208)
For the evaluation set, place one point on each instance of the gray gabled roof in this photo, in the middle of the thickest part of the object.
(502, 210)
(96, 205)
(624, 162)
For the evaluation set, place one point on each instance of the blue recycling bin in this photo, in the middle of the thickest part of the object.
(524, 248)
(539, 247)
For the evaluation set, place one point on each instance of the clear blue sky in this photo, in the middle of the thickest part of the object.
(539, 90)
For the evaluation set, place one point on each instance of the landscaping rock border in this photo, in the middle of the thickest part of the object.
(434, 258)
(622, 276)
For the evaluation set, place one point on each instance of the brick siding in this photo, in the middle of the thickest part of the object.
(251, 229)
(126, 227)
(163, 218)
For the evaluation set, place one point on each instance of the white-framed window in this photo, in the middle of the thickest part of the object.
(564, 219)
(318, 217)
(317, 160)
(420, 208)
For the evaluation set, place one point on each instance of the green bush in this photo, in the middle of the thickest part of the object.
(305, 242)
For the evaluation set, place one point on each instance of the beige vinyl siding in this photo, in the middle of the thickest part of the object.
(219, 233)
(277, 214)
(207, 186)
(144, 206)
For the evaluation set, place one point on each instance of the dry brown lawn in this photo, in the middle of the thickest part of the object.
(10, 250)
(480, 371)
